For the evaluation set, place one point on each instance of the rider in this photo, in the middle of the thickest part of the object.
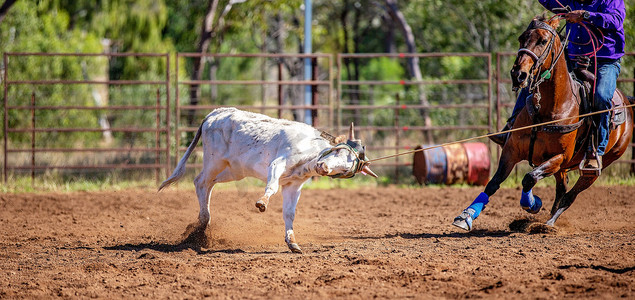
(608, 17)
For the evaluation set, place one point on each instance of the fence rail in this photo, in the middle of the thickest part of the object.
(331, 105)
(160, 127)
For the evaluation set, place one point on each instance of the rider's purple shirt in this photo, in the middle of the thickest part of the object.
(606, 15)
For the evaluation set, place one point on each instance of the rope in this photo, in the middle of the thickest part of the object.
(501, 132)
(593, 39)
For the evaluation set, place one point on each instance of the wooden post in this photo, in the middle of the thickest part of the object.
(279, 90)
(32, 138)
(314, 92)
(398, 133)
(157, 136)
(633, 139)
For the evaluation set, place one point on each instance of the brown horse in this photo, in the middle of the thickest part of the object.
(552, 149)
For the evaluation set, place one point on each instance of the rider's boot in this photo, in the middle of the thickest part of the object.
(591, 164)
(501, 138)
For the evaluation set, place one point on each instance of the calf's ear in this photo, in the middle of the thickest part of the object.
(340, 139)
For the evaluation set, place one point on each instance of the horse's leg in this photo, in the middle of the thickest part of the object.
(582, 184)
(505, 166)
(528, 201)
(562, 179)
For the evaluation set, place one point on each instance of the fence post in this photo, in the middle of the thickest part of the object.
(32, 138)
(633, 137)
(157, 136)
(6, 117)
(397, 138)
(314, 92)
(279, 89)
(167, 115)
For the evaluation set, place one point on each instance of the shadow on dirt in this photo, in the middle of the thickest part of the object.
(599, 268)
(194, 238)
(170, 248)
(530, 225)
(405, 235)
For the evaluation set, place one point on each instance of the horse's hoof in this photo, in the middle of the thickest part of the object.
(295, 248)
(261, 205)
(536, 207)
(463, 221)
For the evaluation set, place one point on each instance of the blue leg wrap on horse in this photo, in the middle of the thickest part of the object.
(530, 203)
(479, 204)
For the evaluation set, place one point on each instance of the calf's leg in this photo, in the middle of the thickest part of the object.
(290, 197)
(276, 169)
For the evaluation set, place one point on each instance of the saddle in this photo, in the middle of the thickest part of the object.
(584, 80)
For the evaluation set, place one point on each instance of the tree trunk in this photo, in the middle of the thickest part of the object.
(209, 30)
(413, 63)
(198, 65)
(5, 8)
(351, 65)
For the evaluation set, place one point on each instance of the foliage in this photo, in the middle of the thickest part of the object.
(253, 26)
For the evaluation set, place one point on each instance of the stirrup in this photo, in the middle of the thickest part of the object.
(586, 169)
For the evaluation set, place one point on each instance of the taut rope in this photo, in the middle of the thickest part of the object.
(496, 133)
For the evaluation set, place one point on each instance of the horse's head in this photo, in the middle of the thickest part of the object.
(539, 45)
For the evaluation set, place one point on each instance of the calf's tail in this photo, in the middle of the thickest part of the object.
(180, 168)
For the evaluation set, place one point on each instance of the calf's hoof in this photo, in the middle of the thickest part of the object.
(295, 248)
(261, 205)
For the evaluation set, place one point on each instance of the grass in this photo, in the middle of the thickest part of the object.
(58, 183)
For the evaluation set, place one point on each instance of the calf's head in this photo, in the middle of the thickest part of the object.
(344, 160)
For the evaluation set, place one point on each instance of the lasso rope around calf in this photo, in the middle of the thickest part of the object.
(501, 132)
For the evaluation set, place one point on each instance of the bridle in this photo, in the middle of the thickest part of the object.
(540, 60)
(534, 92)
(360, 158)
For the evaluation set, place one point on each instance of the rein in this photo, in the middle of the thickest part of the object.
(534, 92)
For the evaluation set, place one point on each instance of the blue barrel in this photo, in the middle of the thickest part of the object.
(430, 166)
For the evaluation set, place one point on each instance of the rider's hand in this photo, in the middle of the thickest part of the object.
(575, 16)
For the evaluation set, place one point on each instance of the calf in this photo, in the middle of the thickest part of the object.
(239, 144)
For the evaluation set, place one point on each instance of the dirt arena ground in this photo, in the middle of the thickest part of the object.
(376, 242)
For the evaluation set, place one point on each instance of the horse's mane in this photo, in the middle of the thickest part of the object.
(542, 17)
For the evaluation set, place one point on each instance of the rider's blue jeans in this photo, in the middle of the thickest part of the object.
(605, 87)
(607, 73)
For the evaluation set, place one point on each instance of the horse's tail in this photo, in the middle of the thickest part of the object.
(180, 168)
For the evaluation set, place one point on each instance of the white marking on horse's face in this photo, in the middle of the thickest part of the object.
(337, 162)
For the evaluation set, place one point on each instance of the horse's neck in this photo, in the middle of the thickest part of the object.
(557, 95)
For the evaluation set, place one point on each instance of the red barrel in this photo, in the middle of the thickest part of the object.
(457, 164)
(429, 166)
(478, 162)
(451, 164)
